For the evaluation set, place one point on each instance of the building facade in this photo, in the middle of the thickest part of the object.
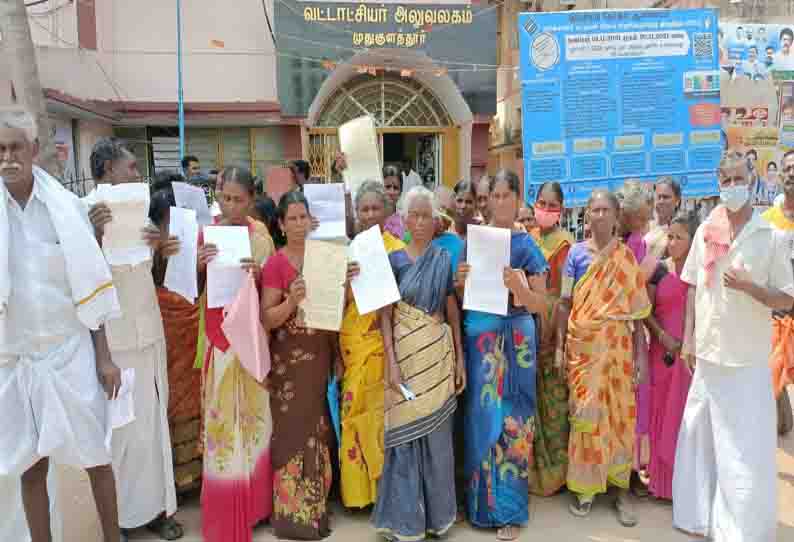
(109, 67)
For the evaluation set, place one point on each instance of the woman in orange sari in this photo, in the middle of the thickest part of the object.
(604, 290)
(551, 423)
(181, 325)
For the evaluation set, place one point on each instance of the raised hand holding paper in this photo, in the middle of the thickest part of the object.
(358, 140)
(375, 286)
(488, 253)
(224, 274)
(327, 204)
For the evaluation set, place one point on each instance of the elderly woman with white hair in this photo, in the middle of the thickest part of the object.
(425, 372)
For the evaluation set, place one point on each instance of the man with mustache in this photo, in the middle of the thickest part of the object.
(56, 370)
(782, 360)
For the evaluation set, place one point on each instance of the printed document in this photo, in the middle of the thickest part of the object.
(325, 271)
(180, 274)
(327, 204)
(375, 286)
(488, 253)
(224, 274)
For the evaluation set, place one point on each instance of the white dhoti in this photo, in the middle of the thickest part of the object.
(13, 523)
(142, 456)
(52, 405)
(724, 485)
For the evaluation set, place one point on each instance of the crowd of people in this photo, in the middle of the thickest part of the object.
(624, 360)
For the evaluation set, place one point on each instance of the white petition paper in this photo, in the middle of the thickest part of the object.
(121, 409)
(327, 204)
(180, 274)
(224, 275)
(358, 140)
(122, 241)
(375, 286)
(488, 253)
(193, 197)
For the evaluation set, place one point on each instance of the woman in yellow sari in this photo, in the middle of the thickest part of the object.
(551, 423)
(361, 343)
(604, 290)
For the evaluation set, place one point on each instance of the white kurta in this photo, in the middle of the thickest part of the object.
(724, 484)
(142, 456)
(51, 402)
(730, 496)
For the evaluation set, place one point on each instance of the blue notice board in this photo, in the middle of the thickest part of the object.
(612, 95)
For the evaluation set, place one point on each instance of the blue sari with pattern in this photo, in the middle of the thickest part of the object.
(500, 404)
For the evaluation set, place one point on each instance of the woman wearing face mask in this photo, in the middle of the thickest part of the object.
(501, 370)
(238, 485)
(465, 207)
(667, 202)
(670, 377)
(301, 363)
(551, 423)
(361, 344)
(393, 184)
(604, 293)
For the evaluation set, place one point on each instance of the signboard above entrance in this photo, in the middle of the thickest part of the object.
(313, 36)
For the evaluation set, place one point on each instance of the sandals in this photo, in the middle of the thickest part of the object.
(581, 506)
(166, 528)
(508, 532)
(626, 515)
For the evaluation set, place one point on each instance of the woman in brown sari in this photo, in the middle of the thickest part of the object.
(301, 364)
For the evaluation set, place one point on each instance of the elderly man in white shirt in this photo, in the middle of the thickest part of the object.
(142, 455)
(739, 272)
(56, 294)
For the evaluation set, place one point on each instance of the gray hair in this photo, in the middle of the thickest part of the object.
(17, 119)
(633, 195)
(107, 149)
(371, 187)
(416, 193)
(733, 159)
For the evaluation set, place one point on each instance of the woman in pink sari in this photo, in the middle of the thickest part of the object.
(670, 377)
(237, 486)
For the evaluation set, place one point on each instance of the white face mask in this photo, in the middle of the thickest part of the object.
(735, 197)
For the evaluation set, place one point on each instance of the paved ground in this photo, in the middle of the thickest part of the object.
(550, 519)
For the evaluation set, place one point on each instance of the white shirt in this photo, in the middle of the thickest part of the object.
(731, 328)
(783, 62)
(41, 312)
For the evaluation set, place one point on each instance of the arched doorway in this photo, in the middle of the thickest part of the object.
(422, 117)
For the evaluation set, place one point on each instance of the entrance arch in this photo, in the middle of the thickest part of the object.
(427, 106)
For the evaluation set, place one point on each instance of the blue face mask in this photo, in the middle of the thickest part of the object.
(735, 197)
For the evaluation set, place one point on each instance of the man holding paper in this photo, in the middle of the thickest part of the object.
(56, 295)
(142, 449)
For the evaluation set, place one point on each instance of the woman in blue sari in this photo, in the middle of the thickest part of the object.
(424, 357)
(501, 354)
